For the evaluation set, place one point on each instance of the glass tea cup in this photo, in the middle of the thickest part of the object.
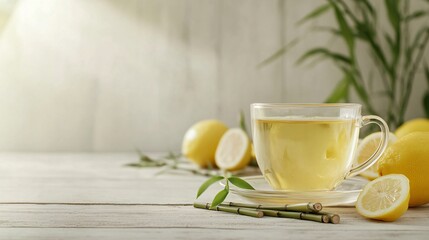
(307, 147)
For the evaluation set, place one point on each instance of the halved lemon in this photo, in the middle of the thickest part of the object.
(234, 150)
(385, 198)
(366, 148)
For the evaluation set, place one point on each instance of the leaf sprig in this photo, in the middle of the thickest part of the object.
(172, 161)
(220, 196)
(145, 161)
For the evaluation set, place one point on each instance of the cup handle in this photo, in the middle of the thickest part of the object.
(365, 120)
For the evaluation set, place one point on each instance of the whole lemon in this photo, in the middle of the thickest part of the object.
(415, 125)
(201, 140)
(410, 156)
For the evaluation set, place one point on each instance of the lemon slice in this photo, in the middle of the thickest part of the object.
(234, 150)
(366, 148)
(385, 198)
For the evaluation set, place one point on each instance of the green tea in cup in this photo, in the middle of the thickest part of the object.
(304, 147)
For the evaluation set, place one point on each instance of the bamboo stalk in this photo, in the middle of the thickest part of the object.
(300, 207)
(257, 211)
(333, 218)
(236, 210)
(297, 215)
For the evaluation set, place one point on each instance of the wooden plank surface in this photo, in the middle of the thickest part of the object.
(94, 178)
(182, 216)
(175, 221)
(91, 178)
(81, 196)
(198, 233)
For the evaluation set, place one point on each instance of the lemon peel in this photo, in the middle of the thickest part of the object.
(201, 140)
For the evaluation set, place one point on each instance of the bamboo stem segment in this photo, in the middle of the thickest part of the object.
(236, 210)
(333, 218)
(300, 207)
(296, 215)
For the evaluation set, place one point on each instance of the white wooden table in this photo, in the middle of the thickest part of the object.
(93, 196)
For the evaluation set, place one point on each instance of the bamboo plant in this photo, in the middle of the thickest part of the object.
(395, 53)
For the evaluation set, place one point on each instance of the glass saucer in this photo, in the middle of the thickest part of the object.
(345, 194)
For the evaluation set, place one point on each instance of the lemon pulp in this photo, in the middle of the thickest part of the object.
(234, 150)
(366, 148)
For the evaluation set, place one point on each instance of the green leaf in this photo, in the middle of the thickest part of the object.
(240, 183)
(345, 29)
(365, 30)
(145, 158)
(426, 103)
(369, 7)
(332, 30)
(207, 184)
(427, 73)
(426, 96)
(415, 43)
(367, 34)
(416, 15)
(366, 27)
(279, 53)
(359, 89)
(378, 55)
(243, 122)
(340, 92)
(325, 53)
(134, 165)
(315, 13)
(145, 164)
(220, 196)
(389, 40)
(392, 7)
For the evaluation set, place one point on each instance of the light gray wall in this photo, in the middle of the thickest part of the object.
(107, 75)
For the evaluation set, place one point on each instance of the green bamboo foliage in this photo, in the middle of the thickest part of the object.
(426, 95)
(220, 196)
(396, 54)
